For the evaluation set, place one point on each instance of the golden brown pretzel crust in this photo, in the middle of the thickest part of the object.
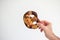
(29, 20)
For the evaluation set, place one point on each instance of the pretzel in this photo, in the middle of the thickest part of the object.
(30, 19)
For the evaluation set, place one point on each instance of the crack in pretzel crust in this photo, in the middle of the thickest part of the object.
(30, 17)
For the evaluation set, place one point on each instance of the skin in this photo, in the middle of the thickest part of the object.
(46, 27)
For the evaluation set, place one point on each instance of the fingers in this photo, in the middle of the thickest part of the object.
(40, 29)
(43, 28)
(43, 25)
(46, 23)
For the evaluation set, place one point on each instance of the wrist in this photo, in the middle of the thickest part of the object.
(53, 37)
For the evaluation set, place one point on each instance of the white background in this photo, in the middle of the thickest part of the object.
(11, 18)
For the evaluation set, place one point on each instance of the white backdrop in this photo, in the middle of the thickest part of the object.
(11, 18)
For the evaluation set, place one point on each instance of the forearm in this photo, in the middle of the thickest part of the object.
(54, 37)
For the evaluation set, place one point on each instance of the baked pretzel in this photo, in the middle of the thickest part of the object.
(30, 19)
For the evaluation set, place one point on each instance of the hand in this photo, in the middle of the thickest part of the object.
(46, 27)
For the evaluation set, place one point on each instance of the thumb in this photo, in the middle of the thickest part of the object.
(41, 25)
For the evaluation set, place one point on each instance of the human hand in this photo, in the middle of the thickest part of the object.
(46, 27)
